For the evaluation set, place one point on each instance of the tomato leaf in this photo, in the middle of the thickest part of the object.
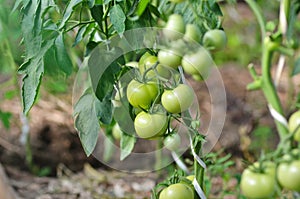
(105, 111)
(296, 69)
(80, 34)
(68, 12)
(127, 144)
(117, 18)
(62, 56)
(86, 113)
(97, 14)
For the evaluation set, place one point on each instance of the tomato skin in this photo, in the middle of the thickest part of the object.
(177, 191)
(199, 63)
(179, 99)
(117, 132)
(175, 27)
(192, 33)
(149, 126)
(172, 142)
(294, 122)
(140, 94)
(288, 175)
(215, 39)
(169, 58)
(257, 185)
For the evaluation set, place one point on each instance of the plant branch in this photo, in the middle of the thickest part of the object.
(256, 10)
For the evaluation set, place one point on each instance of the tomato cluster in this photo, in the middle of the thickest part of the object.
(196, 62)
(261, 179)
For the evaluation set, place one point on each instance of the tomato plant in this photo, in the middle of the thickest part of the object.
(149, 125)
(179, 99)
(177, 191)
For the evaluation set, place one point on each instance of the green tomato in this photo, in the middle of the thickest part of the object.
(192, 33)
(257, 185)
(288, 175)
(294, 125)
(142, 94)
(199, 63)
(179, 99)
(150, 126)
(175, 27)
(117, 132)
(215, 39)
(177, 191)
(172, 142)
(169, 58)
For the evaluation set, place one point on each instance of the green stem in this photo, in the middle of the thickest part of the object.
(256, 10)
(268, 87)
(198, 169)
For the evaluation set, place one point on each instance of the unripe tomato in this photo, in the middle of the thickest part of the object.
(142, 94)
(294, 123)
(192, 33)
(174, 28)
(215, 39)
(169, 58)
(172, 142)
(179, 99)
(117, 132)
(198, 63)
(288, 173)
(177, 191)
(149, 126)
(258, 185)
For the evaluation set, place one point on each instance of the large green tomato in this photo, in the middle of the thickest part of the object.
(172, 142)
(198, 63)
(179, 99)
(169, 58)
(175, 27)
(215, 39)
(288, 174)
(258, 185)
(177, 191)
(294, 123)
(149, 126)
(192, 33)
(142, 94)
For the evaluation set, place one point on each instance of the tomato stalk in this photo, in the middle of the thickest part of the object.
(267, 84)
